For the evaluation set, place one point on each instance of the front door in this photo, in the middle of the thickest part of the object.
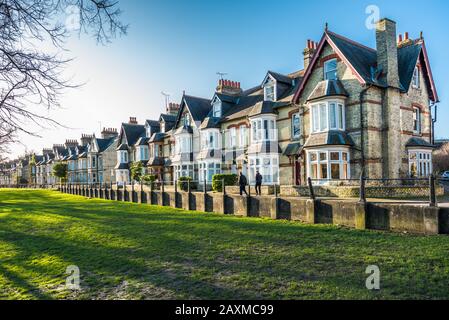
(297, 172)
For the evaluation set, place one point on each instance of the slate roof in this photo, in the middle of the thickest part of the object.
(336, 138)
(156, 162)
(157, 137)
(210, 123)
(133, 132)
(293, 149)
(184, 129)
(364, 61)
(122, 147)
(122, 166)
(281, 78)
(199, 107)
(418, 142)
(143, 141)
(328, 88)
(103, 144)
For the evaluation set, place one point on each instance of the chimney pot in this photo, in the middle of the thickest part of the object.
(400, 38)
(406, 36)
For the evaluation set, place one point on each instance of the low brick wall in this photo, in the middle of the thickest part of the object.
(405, 192)
(350, 213)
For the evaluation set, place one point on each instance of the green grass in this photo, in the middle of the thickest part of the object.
(130, 251)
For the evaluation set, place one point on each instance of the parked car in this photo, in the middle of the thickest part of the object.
(445, 175)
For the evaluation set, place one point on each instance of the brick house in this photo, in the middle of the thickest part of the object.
(368, 109)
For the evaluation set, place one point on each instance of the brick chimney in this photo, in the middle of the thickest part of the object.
(387, 51)
(71, 143)
(47, 151)
(404, 41)
(133, 120)
(229, 87)
(309, 52)
(108, 133)
(173, 108)
(85, 139)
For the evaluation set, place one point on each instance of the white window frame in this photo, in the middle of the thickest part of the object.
(268, 167)
(328, 162)
(422, 159)
(270, 84)
(316, 115)
(243, 136)
(416, 79)
(417, 120)
(333, 71)
(298, 135)
(216, 108)
(264, 129)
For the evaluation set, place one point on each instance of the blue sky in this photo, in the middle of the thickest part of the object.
(176, 45)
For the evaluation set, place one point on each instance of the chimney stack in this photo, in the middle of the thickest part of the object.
(108, 133)
(173, 108)
(229, 87)
(71, 143)
(309, 52)
(403, 42)
(133, 120)
(387, 51)
(85, 139)
(47, 151)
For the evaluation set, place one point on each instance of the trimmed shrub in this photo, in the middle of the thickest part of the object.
(183, 183)
(230, 179)
(149, 179)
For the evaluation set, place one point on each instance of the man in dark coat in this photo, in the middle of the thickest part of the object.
(242, 183)
(259, 179)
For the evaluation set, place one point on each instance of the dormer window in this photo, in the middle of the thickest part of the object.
(416, 78)
(186, 120)
(269, 90)
(216, 108)
(330, 70)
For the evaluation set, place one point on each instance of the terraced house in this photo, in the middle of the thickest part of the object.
(351, 110)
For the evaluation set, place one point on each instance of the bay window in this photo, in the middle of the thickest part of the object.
(328, 164)
(420, 163)
(210, 140)
(268, 167)
(207, 170)
(183, 144)
(328, 115)
(264, 129)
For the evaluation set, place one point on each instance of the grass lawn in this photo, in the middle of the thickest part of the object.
(131, 251)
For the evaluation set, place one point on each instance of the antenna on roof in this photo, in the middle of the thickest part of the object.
(221, 75)
(166, 97)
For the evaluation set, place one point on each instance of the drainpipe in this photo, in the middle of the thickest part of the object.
(362, 127)
(433, 121)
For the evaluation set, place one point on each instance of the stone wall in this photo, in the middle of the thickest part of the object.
(349, 213)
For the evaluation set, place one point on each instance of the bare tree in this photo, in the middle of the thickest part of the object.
(441, 159)
(31, 79)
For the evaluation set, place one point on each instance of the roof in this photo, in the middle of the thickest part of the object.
(210, 123)
(262, 107)
(156, 162)
(198, 107)
(103, 144)
(418, 143)
(157, 137)
(133, 132)
(168, 117)
(122, 166)
(143, 141)
(333, 137)
(184, 129)
(122, 147)
(293, 149)
(363, 62)
(280, 77)
(328, 88)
